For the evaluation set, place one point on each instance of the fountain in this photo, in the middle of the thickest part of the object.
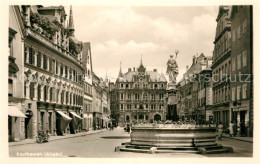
(173, 136)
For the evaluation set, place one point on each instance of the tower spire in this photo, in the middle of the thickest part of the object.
(120, 71)
(106, 76)
(141, 59)
(71, 22)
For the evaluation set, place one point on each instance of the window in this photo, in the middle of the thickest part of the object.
(233, 64)
(234, 35)
(51, 95)
(122, 85)
(137, 96)
(61, 70)
(128, 106)
(238, 61)
(238, 32)
(129, 96)
(50, 64)
(155, 86)
(153, 106)
(126, 86)
(45, 93)
(122, 96)
(244, 54)
(238, 92)
(57, 68)
(10, 87)
(153, 96)
(122, 106)
(233, 94)
(39, 92)
(31, 58)
(244, 26)
(145, 96)
(161, 96)
(31, 90)
(25, 53)
(39, 59)
(244, 95)
(45, 62)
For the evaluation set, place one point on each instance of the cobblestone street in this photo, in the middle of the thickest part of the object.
(91, 146)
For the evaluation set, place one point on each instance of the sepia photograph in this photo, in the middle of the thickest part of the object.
(129, 81)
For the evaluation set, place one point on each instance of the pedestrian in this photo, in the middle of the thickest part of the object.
(231, 129)
(220, 131)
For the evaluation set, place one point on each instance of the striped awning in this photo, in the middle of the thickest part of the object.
(75, 114)
(14, 111)
(66, 117)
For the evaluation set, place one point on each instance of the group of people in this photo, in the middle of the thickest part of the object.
(220, 130)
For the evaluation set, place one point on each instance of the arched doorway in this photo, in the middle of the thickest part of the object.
(157, 117)
(127, 118)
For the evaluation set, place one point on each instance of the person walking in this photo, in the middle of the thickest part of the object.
(220, 131)
(231, 129)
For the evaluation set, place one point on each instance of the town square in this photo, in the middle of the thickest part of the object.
(130, 81)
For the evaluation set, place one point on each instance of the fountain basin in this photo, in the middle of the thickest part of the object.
(162, 138)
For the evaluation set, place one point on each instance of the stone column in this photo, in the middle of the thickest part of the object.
(42, 93)
(41, 60)
(27, 55)
(27, 90)
(47, 60)
(48, 94)
(68, 98)
(35, 92)
(35, 58)
(59, 96)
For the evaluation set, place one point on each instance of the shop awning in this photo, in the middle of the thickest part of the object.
(14, 111)
(74, 114)
(64, 115)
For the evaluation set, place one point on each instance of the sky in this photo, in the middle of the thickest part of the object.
(125, 33)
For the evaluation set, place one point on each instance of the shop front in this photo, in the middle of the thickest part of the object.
(15, 121)
(62, 122)
(75, 122)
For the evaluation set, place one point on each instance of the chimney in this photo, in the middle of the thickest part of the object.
(187, 68)
(129, 70)
(155, 70)
(134, 69)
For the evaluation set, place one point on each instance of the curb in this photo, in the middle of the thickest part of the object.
(18, 144)
(238, 139)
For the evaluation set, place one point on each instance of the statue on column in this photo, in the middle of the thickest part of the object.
(172, 69)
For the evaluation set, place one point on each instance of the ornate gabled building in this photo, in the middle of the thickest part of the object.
(221, 67)
(52, 58)
(138, 95)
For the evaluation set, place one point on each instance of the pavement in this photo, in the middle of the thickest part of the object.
(102, 143)
(54, 138)
(245, 139)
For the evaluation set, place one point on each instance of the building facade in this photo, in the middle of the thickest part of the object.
(138, 95)
(241, 103)
(16, 106)
(100, 103)
(87, 123)
(221, 67)
(191, 89)
(52, 59)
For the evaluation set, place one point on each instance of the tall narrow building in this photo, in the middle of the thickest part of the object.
(221, 67)
(242, 69)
